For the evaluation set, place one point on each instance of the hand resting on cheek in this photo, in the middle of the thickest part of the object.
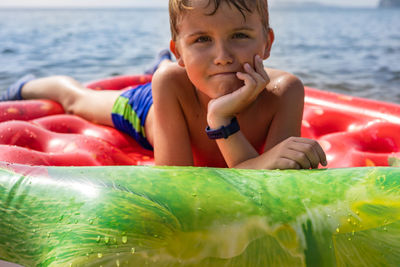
(222, 109)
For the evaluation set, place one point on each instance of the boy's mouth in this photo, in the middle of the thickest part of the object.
(225, 73)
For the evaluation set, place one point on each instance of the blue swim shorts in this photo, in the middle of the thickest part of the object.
(130, 111)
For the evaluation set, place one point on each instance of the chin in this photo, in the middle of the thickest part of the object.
(229, 87)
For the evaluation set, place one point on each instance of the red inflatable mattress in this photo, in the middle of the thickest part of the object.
(353, 131)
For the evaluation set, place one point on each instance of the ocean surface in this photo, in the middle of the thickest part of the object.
(351, 51)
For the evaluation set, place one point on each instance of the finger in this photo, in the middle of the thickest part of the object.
(244, 76)
(259, 66)
(248, 91)
(248, 80)
(285, 164)
(308, 151)
(297, 151)
(318, 149)
(250, 70)
(300, 157)
(253, 71)
(261, 83)
(321, 154)
(313, 151)
(261, 73)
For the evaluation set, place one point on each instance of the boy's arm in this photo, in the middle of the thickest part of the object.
(288, 117)
(284, 149)
(171, 137)
(279, 154)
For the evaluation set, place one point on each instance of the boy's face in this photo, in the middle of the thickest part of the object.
(213, 48)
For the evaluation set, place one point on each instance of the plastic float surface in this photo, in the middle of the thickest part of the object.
(354, 132)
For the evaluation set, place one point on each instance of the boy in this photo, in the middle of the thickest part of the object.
(252, 115)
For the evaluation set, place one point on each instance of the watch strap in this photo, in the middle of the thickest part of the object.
(223, 131)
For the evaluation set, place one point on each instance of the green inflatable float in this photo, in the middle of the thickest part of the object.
(185, 216)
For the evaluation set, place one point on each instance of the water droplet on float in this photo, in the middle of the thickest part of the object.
(124, 239)
(382, 178)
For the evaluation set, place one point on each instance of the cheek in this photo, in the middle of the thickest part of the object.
(195, 74)
(195, 67)
(247, 55)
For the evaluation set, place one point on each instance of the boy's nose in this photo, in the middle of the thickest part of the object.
(223, 55)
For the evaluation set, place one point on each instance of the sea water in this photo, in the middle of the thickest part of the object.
(347, 50)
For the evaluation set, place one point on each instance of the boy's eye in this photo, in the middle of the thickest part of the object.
(240, 35)
(202, 39)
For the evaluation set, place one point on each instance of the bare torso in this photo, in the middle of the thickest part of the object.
(254, 121)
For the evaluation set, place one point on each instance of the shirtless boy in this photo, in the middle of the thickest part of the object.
(252, 114)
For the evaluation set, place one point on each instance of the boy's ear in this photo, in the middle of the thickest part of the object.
(175, 51)
(270, 41)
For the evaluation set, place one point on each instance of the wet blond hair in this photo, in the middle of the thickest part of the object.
(177, 9)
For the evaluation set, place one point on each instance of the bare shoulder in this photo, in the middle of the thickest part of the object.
(284, 84)
(168, 78)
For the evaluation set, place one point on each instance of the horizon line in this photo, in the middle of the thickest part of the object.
(161, 7)
(75, 6)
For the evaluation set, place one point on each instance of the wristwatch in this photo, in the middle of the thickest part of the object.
(223, 131)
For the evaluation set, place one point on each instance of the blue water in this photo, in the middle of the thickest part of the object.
(351, 51)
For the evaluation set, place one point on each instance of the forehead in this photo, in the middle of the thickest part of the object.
(212, 6)
(203, 11)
